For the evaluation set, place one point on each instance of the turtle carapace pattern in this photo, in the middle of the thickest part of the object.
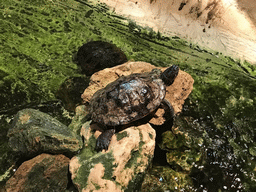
(128, 99)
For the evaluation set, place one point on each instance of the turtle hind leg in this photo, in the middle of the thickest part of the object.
(167, 106)
(104, 139)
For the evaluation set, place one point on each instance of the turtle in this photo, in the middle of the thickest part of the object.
(128, 99)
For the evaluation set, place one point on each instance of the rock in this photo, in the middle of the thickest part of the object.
(119, 168)
(175, 94)
(79, 119)
(34, 132)
(42, 173)
(97, 55)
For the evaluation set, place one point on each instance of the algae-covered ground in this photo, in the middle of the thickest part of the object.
(38, 39)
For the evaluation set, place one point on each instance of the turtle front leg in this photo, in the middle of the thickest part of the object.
(104, 139)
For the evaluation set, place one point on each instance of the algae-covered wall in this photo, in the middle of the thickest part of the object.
(38, 39)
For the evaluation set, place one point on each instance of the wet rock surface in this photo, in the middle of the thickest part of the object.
(42, 173)
(121, 167)
(209, 23)
(33, 132)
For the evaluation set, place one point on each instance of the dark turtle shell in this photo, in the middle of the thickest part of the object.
(130, 98)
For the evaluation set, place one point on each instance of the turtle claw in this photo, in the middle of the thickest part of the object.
(104, 139)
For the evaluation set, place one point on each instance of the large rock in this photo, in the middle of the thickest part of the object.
(34, 132)
(122, 166)
(42, 173)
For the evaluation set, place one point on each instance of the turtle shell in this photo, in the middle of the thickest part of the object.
(127, 99)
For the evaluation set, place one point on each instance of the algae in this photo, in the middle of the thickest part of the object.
(121, 135)
(86, 166)
(38, 39)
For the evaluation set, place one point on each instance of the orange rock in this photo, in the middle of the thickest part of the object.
(42, 173)
(127, 158)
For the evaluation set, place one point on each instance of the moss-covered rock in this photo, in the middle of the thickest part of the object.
(33, 132)
(42, 173)
(122, 167)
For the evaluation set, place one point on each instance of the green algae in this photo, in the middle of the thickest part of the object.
(135, 154)
(87, 164)
(136, 182)
(121, 135)
(162, 178)
(183, 160)
(38, 39)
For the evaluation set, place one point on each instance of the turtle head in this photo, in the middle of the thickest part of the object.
(169, 75)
